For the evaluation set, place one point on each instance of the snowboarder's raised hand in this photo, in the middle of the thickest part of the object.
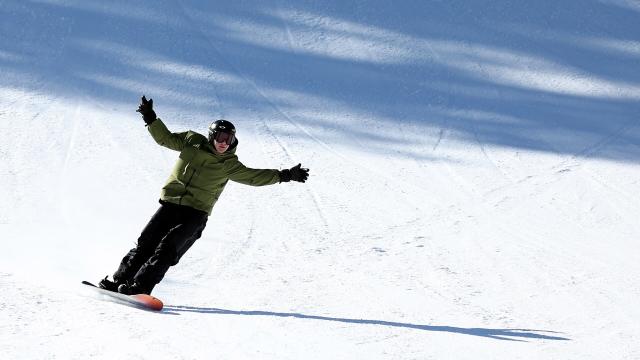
(146, 109)
(296, 173)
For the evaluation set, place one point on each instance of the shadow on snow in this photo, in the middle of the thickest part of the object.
(499, 334)
(545, 76)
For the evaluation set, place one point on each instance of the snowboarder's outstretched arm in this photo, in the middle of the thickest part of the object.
(164, 137)
(158, 130)
(238, 172)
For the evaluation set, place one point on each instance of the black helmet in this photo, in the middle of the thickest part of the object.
(222, 131)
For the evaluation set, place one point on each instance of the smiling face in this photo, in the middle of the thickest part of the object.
(220, 147)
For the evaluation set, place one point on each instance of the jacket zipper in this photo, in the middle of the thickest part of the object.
(185, 187)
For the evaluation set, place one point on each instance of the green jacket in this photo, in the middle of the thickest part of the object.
(200, 174)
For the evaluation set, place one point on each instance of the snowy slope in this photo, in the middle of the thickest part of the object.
(474, 189)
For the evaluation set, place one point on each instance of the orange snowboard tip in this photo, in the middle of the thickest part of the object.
(149, 301)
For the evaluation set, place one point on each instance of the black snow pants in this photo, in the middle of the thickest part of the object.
(168, 235)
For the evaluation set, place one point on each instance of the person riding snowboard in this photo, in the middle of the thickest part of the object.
(204, 167)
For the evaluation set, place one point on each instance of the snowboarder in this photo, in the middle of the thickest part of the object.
(204, 167)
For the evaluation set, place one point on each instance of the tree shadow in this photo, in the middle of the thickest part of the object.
(498, 334)
(500, 74)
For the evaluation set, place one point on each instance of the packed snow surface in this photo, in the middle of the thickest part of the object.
(474, 188)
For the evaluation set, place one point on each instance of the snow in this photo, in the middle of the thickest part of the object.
(474, 188)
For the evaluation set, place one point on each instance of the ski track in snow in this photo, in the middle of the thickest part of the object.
(270, 133)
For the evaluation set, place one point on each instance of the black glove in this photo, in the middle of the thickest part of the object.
(146, 109)
(296, 173)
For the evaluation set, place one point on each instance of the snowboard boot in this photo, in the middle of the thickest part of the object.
(131, 289)
(108, 284)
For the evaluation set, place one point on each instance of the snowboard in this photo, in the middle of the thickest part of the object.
(141, 301)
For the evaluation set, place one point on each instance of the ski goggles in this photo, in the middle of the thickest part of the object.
(224, 137)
